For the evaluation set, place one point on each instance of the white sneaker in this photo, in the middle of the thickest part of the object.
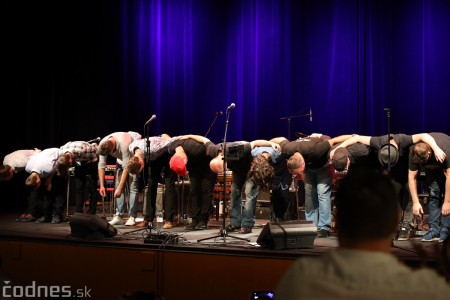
(131, 221)
(116, 221)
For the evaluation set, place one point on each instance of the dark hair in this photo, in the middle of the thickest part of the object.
(4, 172)
(367, 206)
(261, 173)
(62, 165)
(420, 153)
(133, 165)
(105, 148)
(31, 183)
(340, 159)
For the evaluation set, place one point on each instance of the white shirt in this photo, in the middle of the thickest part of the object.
(19, 158)
(43, 163)
(350, 274)
(121, 152)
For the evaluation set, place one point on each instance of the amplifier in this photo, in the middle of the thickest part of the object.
(288, 235)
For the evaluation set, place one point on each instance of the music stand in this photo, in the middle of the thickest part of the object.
(223, 231)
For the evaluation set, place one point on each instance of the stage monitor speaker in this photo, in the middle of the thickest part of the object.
(90, 227)
(288, 235)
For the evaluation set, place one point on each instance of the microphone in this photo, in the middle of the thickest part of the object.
(387, 111)
(232, 105)
(96, 140)
(219, 113)
(149, 120)
(310, 114)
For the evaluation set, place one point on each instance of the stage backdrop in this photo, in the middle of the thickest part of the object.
(75, 70)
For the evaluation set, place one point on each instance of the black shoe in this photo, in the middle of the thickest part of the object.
(231, 228)
(323, 233)
(56, 220)
(403, 234)
(201, 225)
(43, 219)
(191, 226)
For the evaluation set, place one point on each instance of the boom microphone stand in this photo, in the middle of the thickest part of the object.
(219, 113)
(296, 115)
(223, 231)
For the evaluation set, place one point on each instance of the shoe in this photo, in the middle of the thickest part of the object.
(201, 225)
(26, 218)
(143, 224)
(168, 225)
(245, 230)
(231, 228)
(130, 222)
(443, 235)
(191, 226)
(43, 219)
(20, 218)
(323, 233)
(430, 236)
(56, 220)
(116, 221)
(403, 234)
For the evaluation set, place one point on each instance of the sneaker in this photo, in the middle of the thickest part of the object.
(168, 225)
(116, 221)
(323, 233)
(231, 228)
(201, 225)
(43, 219)
(430, 236)
(403, 234)
(28, 218)
(131, 221)
(443, 235)
(56, 220)
(246, 229)
(20, 218)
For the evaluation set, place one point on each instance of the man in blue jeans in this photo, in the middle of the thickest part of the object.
(240, 157)
(251, 171)
(310, 155)
(117, 145)
(437, 178)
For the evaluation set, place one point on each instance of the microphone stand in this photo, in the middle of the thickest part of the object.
(388, 113)
(210, 126)
(223, 231)
(296, 115)
(149, 182)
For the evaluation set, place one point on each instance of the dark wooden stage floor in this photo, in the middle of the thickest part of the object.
(187, 269)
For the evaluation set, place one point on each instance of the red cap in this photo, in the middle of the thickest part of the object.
(177, 165)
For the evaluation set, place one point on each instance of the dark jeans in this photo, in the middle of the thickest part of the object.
(279, 200)
(158, 166)
(33, 199)
(55, 198)
(435, 179)
(86, 186)
(202, 191)
(404, 202)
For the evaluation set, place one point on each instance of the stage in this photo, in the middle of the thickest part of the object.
(189, 264)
